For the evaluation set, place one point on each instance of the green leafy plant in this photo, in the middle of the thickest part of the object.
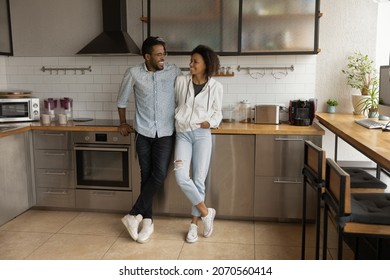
(372, 101)
(332, 102)
(361, 72)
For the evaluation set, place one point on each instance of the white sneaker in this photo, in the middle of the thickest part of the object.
(192, 235)
(208, 222)
(146, 231)
(131, 223)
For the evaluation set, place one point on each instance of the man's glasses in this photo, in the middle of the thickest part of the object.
(160, 55)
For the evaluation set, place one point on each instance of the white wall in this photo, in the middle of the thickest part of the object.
(383, 37)
(346, 26)
(95, 92)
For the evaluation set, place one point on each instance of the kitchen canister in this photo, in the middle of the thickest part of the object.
(245, 111)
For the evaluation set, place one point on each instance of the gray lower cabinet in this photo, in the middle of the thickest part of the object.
(229, 185)
(278, 177)
(54, 172)
(104, 200)
(15, 184)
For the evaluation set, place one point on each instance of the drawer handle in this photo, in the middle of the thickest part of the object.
(278, 181)
(106, 193)
(54, 154)
(55, 173)
(287, 139)
(53, 134)
(56, 192)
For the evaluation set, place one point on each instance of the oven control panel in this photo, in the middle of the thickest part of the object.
(100, 138)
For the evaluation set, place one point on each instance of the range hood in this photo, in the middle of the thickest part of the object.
(114, 39)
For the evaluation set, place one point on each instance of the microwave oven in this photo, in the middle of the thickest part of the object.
(19, 109)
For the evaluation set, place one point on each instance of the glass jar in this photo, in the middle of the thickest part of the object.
(245, 111)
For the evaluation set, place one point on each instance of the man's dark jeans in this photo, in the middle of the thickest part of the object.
(154, 155)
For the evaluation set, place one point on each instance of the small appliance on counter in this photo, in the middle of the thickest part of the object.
(267, 114)
(18, 106)
(302, 112)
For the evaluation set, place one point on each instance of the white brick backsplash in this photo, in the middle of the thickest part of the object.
(95, 92)
(67, 61)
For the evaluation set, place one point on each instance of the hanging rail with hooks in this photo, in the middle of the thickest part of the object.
(65, 69)
(276, 72)
(291, 68)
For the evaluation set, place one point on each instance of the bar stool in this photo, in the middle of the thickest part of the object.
(356, 214)
(364, 182)
(314, 175)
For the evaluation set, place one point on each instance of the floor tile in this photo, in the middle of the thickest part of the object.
(282, 234)
(18, 245)
(73, 247)
(40, 221)
(170, 228)
(95, 223)
(155, 249)
(267, 252)
(226, 231)
(217, 251)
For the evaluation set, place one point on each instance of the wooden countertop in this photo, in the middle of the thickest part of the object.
(225, 128)
(374, 143)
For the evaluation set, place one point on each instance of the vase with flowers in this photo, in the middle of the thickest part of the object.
(362, 75)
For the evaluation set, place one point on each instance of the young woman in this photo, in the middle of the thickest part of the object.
(198, 109)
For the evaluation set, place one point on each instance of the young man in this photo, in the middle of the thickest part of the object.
(152, 83)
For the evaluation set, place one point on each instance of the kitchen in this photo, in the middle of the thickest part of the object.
(94, 93)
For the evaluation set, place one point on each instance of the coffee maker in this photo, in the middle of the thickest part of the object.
(302, 112)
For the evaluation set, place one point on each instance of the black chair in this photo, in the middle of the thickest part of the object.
(364, 182)
(355, 215)
(314, 175)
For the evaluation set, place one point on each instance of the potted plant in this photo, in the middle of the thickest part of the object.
(332, 105)
(361, 74)
(372, 101)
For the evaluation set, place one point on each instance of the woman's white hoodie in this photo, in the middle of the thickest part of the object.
(206, 106)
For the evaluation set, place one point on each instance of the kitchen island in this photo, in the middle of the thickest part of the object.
(255, 170)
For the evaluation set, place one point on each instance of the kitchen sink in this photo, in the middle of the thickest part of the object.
(4, 128)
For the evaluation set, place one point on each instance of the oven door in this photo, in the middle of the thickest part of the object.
(102, 167)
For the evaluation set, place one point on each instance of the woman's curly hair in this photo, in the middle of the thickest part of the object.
(210, 58)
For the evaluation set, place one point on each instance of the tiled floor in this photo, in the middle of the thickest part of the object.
(59, 235)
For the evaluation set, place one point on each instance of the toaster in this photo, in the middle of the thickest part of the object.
(267, 114)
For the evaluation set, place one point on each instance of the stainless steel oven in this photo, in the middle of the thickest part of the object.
(102, 160)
